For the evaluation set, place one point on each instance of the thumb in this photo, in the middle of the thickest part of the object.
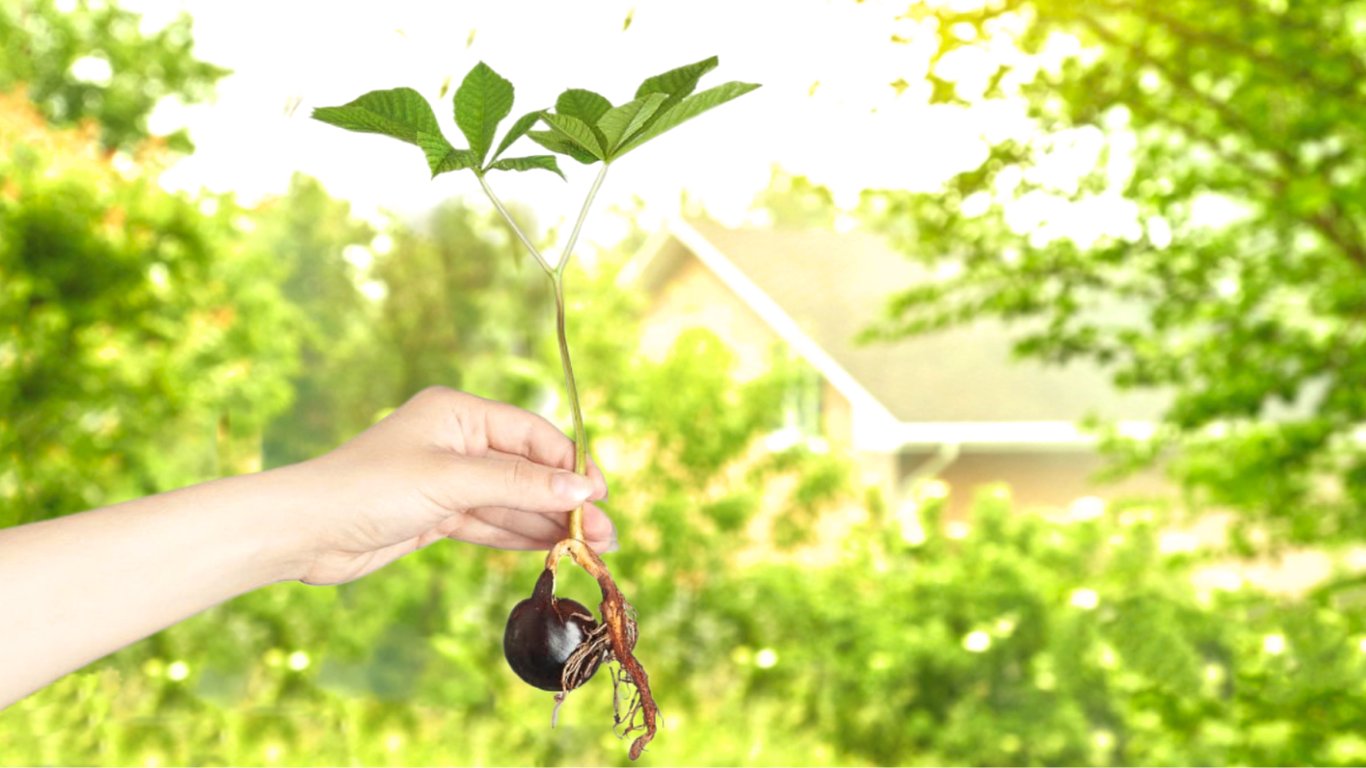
(518, 484)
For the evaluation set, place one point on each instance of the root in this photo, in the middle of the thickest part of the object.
(614, 640)
(555, 713)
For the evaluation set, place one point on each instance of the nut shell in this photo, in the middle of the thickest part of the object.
(542, 632)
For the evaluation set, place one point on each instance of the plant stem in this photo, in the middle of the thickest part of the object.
(583, 213)
(571, 387)
(557, 280)
(545, 265)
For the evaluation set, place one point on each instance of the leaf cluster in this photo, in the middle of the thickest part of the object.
(1233, 282)
(39, 43)
(582, 125)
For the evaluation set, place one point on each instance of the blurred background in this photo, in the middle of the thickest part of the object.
(986, 389)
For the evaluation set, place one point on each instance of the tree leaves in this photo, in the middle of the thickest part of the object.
(517, 131)
(577, 132)
(560, 144)
(584, 125)
(585, 105)
(530, 162)
(588, 128)
(483, 99)
(624, 121)
(401, 113)
(685, 110)
(677, 83)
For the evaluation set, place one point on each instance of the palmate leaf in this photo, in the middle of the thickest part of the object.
(576, 131)
(585, 105)
(517, 131)
(620, 123)
(483, 99)
(528, 163)
(679, 82)
(453, 160)
(401, 113)
(690, 107)
(557, 142)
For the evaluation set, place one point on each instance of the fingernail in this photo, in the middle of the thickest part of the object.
(614, 546)
(569, 485)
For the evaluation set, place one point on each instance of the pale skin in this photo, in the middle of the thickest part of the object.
(444, 465)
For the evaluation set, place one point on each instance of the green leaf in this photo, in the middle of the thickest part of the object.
(528, 163)
(620, 123)
(401, 113)
(517, 131)
(679, 82)
(686, 109)
(557, 142)
(453, 160)
(577, 131)
(585, 105)
(483, 99)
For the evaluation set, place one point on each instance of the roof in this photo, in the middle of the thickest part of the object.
(833, 285)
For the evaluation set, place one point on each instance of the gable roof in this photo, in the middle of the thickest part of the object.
(820, 289)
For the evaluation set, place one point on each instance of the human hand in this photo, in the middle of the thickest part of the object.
(445, 465)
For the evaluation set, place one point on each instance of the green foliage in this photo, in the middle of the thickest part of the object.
(458, 310)
(444, 301)
(1228, 138)
(578, 133)
(668, 118)
(481, 102)
(1025, 641)
(528, 163)
(483, 99)
(584, 125)
(626, 120)
(790, 622)
(403, 114)
(517, 131)
(307, 233)
(39, 44)
(141, 336)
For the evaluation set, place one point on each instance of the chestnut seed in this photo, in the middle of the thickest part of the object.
(542, 632)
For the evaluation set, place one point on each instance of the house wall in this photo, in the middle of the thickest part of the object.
(837, 417)
(693, 297)
(1052, 479)
(688, 295)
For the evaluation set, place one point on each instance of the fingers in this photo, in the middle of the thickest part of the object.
(517, 529)
(485, 481)
(509, 429)
(493, 428)
(600, 490)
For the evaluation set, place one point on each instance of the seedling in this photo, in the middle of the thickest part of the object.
(554, 643)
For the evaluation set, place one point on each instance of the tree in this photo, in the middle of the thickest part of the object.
(95, 63)
(139, 339)
(1222, 141)
(338, 386)
(459, 309)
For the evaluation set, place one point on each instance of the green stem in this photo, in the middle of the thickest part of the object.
(545, 265)
(572, 388)
(557, 280)
(583, 213)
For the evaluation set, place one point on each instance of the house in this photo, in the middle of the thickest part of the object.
(952, 405)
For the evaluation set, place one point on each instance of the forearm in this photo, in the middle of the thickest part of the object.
(79, 587)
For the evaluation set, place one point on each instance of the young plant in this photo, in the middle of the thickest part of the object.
(554, 643)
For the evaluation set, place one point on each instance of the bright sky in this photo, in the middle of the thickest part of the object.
(826, 109)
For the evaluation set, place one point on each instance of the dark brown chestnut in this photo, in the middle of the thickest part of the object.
(543, 632)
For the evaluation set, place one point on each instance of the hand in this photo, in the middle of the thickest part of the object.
(445, 465)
